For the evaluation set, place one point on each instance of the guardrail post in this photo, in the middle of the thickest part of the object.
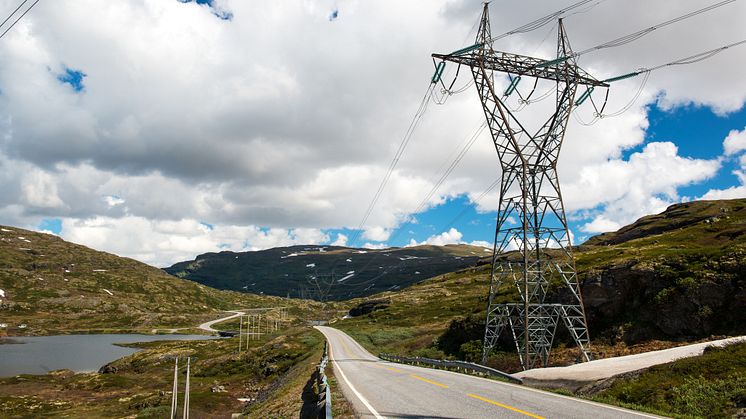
(325, 393)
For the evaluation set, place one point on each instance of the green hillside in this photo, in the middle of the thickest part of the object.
(709, 386)
(673, 277)
(52, 286)
(680, 274)
(325, 272)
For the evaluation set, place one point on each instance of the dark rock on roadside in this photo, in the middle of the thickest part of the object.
(108, 369)
(369, 306)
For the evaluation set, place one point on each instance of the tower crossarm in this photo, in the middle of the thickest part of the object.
(522, 65)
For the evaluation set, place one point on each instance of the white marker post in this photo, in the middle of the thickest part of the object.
(174, 401)
(240, 332)
(186, 391)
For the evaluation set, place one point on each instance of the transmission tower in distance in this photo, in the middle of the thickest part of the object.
(529, 194)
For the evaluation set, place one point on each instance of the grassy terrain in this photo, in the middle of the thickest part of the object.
(712, 385)
(341, 408)
(325, 272)
(417, 315)
(668, 279)
(53, 286)
(271, 374)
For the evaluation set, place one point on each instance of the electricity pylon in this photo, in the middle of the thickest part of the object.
(529, 193)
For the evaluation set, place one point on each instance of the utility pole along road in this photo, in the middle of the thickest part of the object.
(379, 389)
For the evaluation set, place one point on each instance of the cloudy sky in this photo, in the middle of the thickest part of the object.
(161, 129)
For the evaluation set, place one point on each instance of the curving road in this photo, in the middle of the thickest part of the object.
(207, 326)
(381, 389)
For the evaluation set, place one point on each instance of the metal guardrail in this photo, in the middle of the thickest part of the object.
(458, 365)
(325, 394)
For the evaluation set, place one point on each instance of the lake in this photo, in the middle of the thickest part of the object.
(80, 353)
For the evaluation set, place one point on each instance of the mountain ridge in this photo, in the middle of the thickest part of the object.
(51, 285)
(325, 272)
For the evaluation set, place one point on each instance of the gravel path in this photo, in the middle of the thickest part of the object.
(608, 367)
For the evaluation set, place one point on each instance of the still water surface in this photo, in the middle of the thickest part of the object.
(80, 353)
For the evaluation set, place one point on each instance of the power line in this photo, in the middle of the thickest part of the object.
(633, 37)
(474, 202)
(452, 166)
(467, 144)
(696, 57)
(450, 224)
(447, 226)
(538, 23)
(19, 17)
(626, 39)
(701, 56)
(399, 152)
(14, 12)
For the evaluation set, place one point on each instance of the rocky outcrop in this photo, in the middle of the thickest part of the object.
(369, 306)
(638, 301)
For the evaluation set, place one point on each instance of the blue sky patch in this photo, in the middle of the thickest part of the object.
(698, 133)
(696, 130)
(221, 14)
(334, 14)
(51, 224)
(73, 77)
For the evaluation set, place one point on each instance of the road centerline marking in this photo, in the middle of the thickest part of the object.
(435, 383)
(384, 367)
(504, 406)
(345, 348)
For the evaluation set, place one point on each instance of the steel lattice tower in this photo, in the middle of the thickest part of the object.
(529, 193)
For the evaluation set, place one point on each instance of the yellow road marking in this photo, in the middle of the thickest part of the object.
(345, 349)
(505, 406)
(386, 368)
(435, 383)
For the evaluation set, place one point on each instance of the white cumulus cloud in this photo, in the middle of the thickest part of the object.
(628, 189)
(452, 236)
(189, 118)
(735, 142)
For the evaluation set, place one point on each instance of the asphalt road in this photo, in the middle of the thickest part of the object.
(381, 389)
(207, 326)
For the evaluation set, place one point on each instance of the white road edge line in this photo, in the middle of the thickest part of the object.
(354, 390)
